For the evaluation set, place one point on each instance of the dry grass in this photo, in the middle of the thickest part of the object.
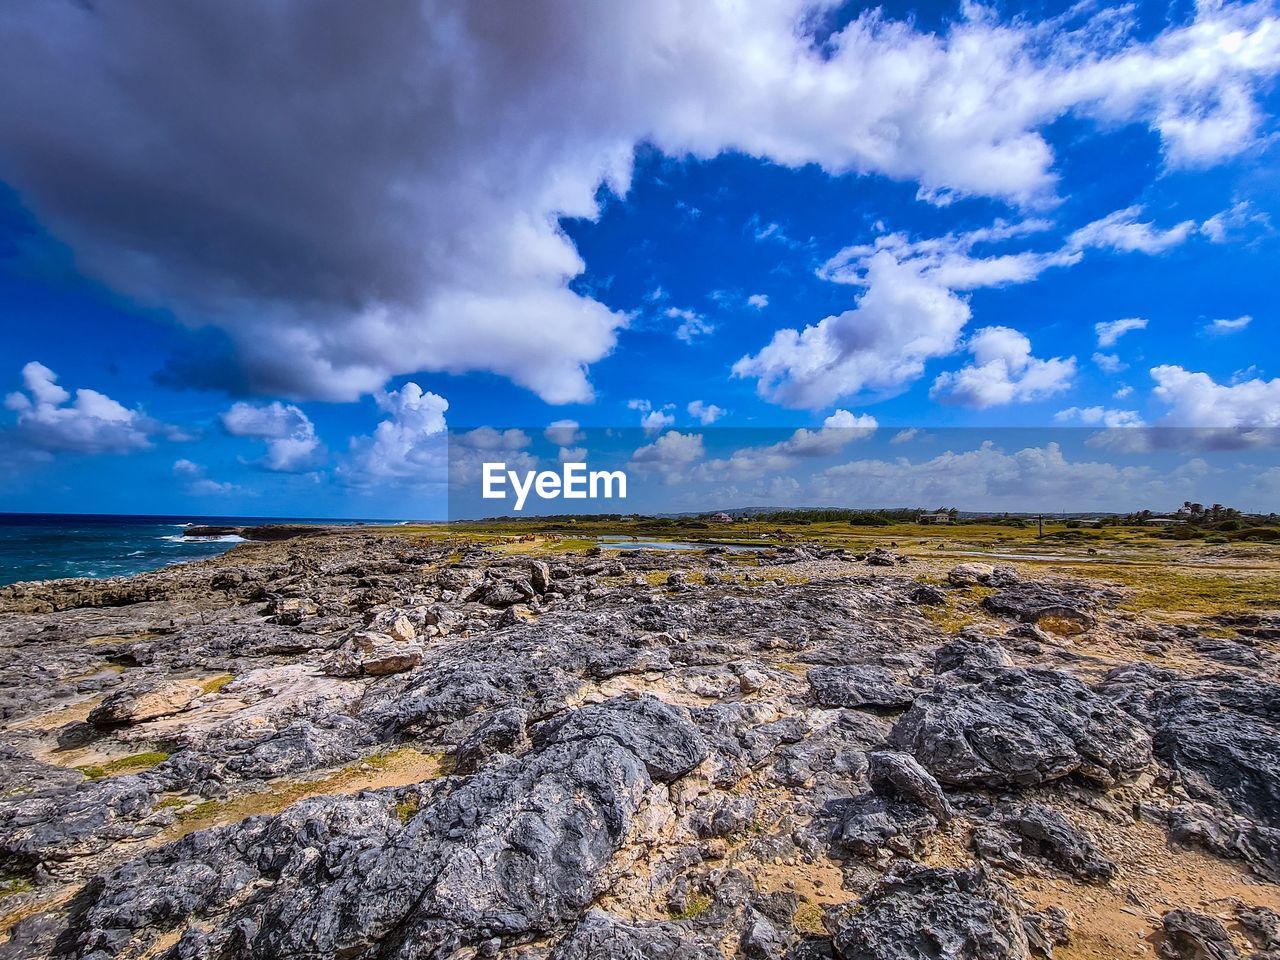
(215, 684)
(135, 763)
(390, 768)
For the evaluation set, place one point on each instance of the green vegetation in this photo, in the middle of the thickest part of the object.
(1195, 593)
(216, 684)
(851, 529)
(809, 919)
(136, 763)
(407, 809)
(696, 907)
(11, 886)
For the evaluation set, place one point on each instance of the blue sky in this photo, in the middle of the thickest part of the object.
(278, 278)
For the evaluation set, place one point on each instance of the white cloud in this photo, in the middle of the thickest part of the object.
(691, 324)
(199, 485)
(837, 431)
(909, 312)
(1223, 226)
(563, 432)
(292, 444)
(408, 444)
(1034, 478)
(758, 300)
(1196, 400)
(1003, 371)
(1124, 233)
(653, 419)
(705, 413)
(1123, 392)
(48, 420)
(409, 202)
(1109, 363)
(670, 456)
(1109, 331)
(905, 436)
(1219, 327)
(1099, 416)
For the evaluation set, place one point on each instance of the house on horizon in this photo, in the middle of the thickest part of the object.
(720, 518)
(943, 517)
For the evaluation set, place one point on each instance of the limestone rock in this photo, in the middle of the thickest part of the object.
(1016, 727)
(916, 911)
(128, 707)
(858, 686)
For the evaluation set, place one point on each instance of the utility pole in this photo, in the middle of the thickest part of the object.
(1040, 524)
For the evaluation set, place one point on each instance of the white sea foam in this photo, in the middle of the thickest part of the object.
(183, 538)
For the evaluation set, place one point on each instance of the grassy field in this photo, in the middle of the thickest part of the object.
(1168, 578)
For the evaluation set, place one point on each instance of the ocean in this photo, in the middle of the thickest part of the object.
(37, 546)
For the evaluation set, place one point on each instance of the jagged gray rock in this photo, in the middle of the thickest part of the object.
(1049, 607)
(600, 935)
(899, 775)
(970, 652)
(1188, 935)
(515, 849)
(1020, 727)
(858, 686)
(917, 911)
(1046, 929)
(1030, 830)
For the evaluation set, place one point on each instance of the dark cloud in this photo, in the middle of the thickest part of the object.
(358, 190)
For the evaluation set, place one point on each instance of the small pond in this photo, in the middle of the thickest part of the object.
(630, 543)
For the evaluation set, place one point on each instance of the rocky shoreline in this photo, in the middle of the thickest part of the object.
(357, 745)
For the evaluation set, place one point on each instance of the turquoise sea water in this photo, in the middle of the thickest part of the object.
(51, 546)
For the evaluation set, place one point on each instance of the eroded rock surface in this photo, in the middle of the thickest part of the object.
(1016, 727)
(917, 911)
(368, 747)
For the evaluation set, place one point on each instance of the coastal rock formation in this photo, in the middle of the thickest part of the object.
(1020, 727)
(370, 746)
(917, 911)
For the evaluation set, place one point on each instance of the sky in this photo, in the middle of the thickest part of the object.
(265, 262)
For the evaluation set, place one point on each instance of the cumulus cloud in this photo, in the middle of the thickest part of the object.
(653, 419)
(1109, 363)
(912, 307)
(197, 484)
(691, 325)
(705, 413)
(1220, 327)
(758, 300)
(563, 432)
(905, 436)
(50, 421)
(1197, 400)
(292, 444)
(1099, 416)
(1034, 478)
(837, 431)
(408, 445)
(1109, 331)
(670, 456)
(910, 311)
(1003, 371)
(388, 198)
(1202, 414)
